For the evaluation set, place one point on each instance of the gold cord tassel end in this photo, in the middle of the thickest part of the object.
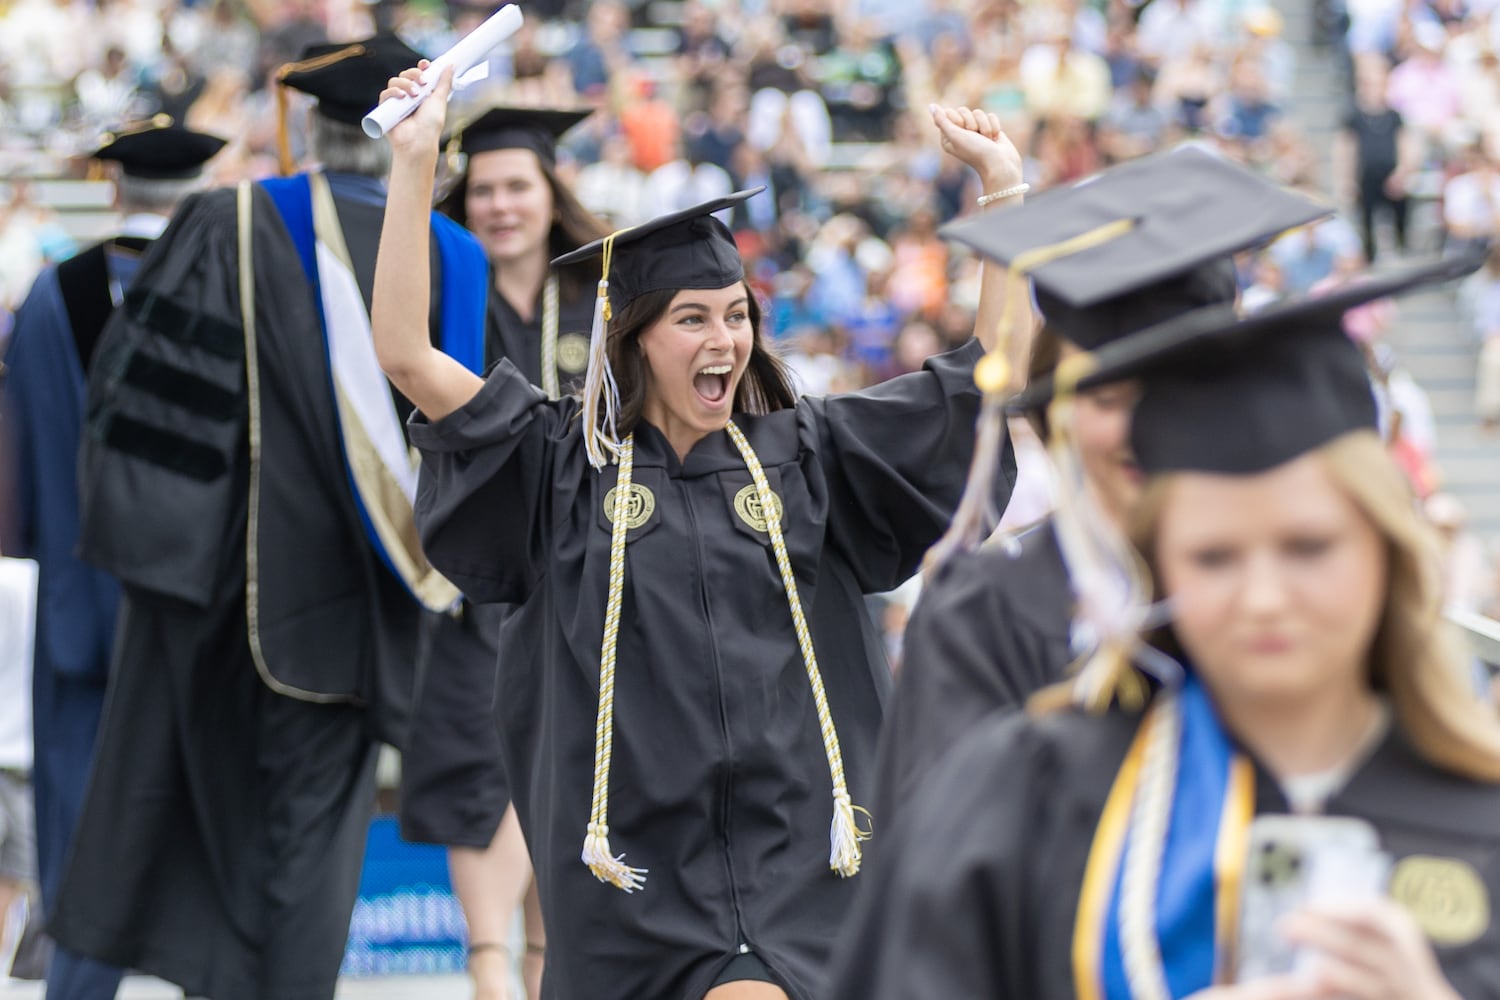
(609, 867)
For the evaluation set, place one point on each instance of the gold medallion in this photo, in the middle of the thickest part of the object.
(1447, 897)
(572, 352)
(639, 506)
(747, 506)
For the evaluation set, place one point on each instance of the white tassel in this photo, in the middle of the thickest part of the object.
(845, 836)
(601, 440)
(606, 866)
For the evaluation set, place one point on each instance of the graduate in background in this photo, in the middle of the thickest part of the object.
(995, 625)
(1099, 850)
(453, 789)
(57, 328)
(704, 668)
(245, 477)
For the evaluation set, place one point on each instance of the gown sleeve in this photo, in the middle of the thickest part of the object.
(942, 912)
(896, 457)
(165, 430)
(967, 653)
(484, 494)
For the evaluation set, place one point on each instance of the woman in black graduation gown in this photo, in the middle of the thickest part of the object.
(994, 625)
(702, 662)
(1061, 853)
(453, 789)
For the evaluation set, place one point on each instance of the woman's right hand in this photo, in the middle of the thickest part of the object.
(420, 132)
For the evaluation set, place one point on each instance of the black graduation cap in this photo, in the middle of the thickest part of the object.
(685, 249)
(347, 78)
(1225, 394)
(159, 149)
(1139, 243)
(536, 129)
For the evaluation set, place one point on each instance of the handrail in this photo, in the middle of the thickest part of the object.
(1481, 632)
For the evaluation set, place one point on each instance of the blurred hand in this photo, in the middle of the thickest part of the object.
(1372, 951)
(421, 131)
(975, 137)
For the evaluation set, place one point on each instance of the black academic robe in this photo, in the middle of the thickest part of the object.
(990, 629)
(453, 787)
(222, 836)
(719, 783)
(976, 893)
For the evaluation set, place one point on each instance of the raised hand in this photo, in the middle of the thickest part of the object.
(975, 137)
(422, 130)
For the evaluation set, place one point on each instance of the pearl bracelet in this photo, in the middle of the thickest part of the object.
(1003, 193)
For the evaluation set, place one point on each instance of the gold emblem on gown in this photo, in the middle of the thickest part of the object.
(639, 506)
(573, 352)
(1447, 897)
(747, 506)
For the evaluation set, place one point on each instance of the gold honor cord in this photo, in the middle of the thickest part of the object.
(845, 834)
(606, 866)
(992, 374)
(551, 384)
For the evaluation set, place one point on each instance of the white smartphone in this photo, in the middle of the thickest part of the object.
(1297, 861)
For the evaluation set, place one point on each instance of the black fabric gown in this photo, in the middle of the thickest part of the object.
(719, 784)
(990, 629)
(976, 892)
(453, 787)
(222, 836)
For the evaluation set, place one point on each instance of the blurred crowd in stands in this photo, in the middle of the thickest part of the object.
(824, 103)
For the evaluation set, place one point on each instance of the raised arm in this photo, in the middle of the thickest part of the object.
(434, 382)
(975, 137)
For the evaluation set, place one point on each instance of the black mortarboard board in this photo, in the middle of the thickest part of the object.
(536, 129)
(159, 149)
(686, 249)
(347, 78)
(1182, 214)
(1225, 394)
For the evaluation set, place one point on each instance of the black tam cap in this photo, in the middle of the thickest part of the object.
(1137, 244)
(347, 78)
(686, 249)
(536, 129)
(1233, 395)
(159, 149)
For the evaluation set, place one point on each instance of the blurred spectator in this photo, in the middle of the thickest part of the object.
(919, 277)
(860, 80)
(1062, 81)
(650, 124)
(1135, 125)
(1374, 158)
(18, 581)
(614, 188)
(815, 360)
(1186, 86)
(701, 55)
(1268, 288)
(1423, 88)
(1471, 201)
(1169, 30)
(110, 93)
(1467, 577)
(602, 52)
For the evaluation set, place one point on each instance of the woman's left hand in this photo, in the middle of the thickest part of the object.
(1373, 951)
(975, 137)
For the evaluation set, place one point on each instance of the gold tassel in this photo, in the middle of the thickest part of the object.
(601, 396)
(284, 159)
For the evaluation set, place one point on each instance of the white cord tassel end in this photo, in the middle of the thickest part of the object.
(606, 866)
(845, 836)
(601, 440)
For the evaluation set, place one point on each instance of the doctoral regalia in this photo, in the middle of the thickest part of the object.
(720, 781)
(265, 646)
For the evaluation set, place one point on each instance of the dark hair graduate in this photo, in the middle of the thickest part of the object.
(765, 387)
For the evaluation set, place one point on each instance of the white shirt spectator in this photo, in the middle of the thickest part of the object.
(1471, 202)
(677, 185)
(17, 633)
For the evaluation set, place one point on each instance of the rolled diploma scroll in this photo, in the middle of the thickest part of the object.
(468, 52)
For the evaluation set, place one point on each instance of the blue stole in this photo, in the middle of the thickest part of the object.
(464, 291)
(1197, 892)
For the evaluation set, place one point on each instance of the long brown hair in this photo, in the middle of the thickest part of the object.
(572, 226)
(1413, 657)
(765, 387)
